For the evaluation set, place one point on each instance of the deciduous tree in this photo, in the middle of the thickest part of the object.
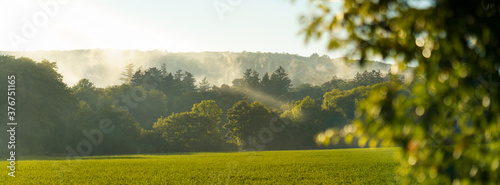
(448, 127)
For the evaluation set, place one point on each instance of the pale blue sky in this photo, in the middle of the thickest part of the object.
(177, 26)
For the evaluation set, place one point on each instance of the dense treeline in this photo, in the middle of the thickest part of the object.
(155, 110)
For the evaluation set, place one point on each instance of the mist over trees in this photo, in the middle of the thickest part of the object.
(160, 110)
(106, 67)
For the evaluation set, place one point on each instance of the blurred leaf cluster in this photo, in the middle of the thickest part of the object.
(448, 126)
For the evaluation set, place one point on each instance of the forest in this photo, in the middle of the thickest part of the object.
(154, 110)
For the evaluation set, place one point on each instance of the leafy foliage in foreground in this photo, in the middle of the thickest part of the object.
(450, 125)
(350, 166)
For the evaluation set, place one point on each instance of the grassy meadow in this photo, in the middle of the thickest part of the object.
(346, 166)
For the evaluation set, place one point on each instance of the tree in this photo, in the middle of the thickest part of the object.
(148, 110)
(145, 106)
(307, 119)
(193, 131)
(163, 69)
(83, 118)
(137, 78)
(84, 84)
(209, 109)
(188, 82)
(305, 90)
(456, 47)
(152, 78)
(346, 101)
(265, 83)
(368, 78)
(280, 82)
(334, 83)
(128, 74)
(86, 91)
(43, 105)
(204, 85)
(178, 75)
(122, 138)
(251, 79)
(245, 120)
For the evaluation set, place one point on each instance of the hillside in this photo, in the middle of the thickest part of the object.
(103, 67)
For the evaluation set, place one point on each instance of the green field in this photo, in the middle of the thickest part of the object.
(347, 166)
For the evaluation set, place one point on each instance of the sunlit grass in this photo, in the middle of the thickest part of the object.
(359, 166)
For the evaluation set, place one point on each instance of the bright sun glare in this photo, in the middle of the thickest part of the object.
(175, 27)
(60, 26)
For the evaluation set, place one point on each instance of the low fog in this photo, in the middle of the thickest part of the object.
(104, 67)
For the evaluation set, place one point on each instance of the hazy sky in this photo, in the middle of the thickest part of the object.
(177, 26)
